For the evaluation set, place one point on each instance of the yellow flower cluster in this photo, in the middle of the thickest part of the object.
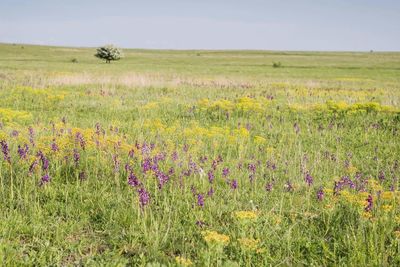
(242, 104)
(213, 237)
(183, 261)
(9, 115)
(341, 106)
(249, 243)
(246, 215)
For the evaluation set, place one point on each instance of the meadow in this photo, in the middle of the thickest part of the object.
(202, 158)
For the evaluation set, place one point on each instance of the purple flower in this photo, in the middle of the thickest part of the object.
(23, 151)
(33, 166)
(162, 179)
(44, 160)
(320, 194)
(268, 187)
(79, 138)
(370, 203)
(31, 136)
(45, 179)
(144, 197)
(133, 180)
(252, 167)
(309, 179)
(200, 200)
(131, 153)
(6, 151)
(200, 224)
(54, 147)
(289, 186)
(174, 156)
(14, 133)
(234, 184)
(146, 164)
(77, 156)
(225, 172)
(211, 176)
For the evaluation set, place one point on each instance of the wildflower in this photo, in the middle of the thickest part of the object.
(225, 172)
(31, 136)
(214, 238)
(45, 161)
(144, 197)
(309, 179)
(366, 215)
(289, 186)
(369, 206)
(6, 151)
(54, 146)
(45, 179)
(320, 194)
(14, 133)
(211, 176)
(146, 164)
(200, 224)
(234, 184)
(33, 166)
(23, 151)
(77, 157)
(200, 200)
(162, 178)
(133, 180)
(246, 215)
(387, 208)
(131, 153)
(79, 138)
(249, 243)
(183, 261)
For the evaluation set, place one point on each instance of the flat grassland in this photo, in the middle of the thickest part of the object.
(204, 158)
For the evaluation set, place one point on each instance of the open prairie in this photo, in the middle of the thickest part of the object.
(204, 158)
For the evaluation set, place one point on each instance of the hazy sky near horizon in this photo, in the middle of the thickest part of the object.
(205, 24)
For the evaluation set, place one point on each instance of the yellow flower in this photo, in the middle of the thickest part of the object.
(387, 195)
(387, 208)
(249, 243)
(243, 215)
(183, 261)
(259, 140)
(213, 237)
(367, 215)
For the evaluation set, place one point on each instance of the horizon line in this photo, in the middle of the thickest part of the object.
(206, 49)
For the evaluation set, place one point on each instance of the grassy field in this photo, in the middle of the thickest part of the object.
(203, 158)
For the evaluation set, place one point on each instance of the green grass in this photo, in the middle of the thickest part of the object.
(328, 114)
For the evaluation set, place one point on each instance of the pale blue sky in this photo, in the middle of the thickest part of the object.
(205, 24)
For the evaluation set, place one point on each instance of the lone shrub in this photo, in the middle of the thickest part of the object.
(108, 53)
(276, 64)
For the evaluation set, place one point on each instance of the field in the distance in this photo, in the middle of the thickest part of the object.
(205, 158)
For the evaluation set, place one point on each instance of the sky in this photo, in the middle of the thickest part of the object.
(326, 25)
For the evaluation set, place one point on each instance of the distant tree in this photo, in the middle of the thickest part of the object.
(108, 53)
